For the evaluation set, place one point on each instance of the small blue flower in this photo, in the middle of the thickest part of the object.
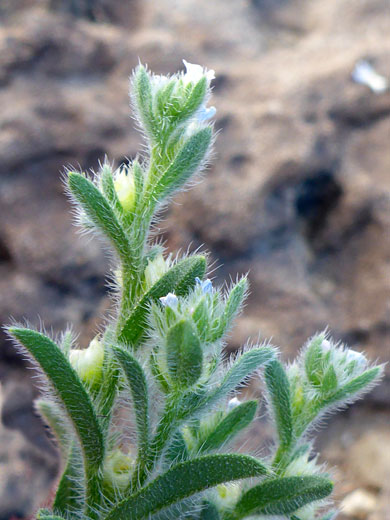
(170, 300)
(206, 113)
(205, 285)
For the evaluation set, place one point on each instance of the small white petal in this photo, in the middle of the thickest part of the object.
(233, 403)
(170, 300)
(325, 345)
(194, 73)
(365, 74)
(357, 357)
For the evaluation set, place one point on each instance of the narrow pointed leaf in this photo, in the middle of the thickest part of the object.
(68, 388)
(101, 214)
(184, 354)
(240, 417)
(53, 415)
(177, 451)
(232, 307)
(185, 164)
(313, 360)
(282, 496)
(358, 385)
(142, 95)
(136, 380)
(247, 363)
(69, 494)
(193, 103)
(109, 191)
(183, 480)
(329, 381)
(180, 279)
(278, 388)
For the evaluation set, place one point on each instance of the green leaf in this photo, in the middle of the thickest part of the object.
(244, 366)
(138, 181)
(163, 98)
(136, 379)
(247, 363)
(100, 213)
(108, 188)
(69, 494)
(240, 417)
(184, 354)
(282, 496)
(232, 306)
(177, 451)
(329, 381)
(70, 391)
(68, 388)
(193, 102)
(53, 415)
(313, 360)
(180, 279)
(354, 387)
(143, 98)
(278, 388)
(156, 372)
(209, 512)
(183, 480)
(44, 514)
(187, 161)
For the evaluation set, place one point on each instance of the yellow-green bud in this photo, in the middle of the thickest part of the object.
(125, 189)
(155, 269)
(117, 469)
(227, 495)
(88, 363)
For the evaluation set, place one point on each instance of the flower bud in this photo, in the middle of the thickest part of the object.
(155, 269)
(170, 300)
(125, 189)
(88, 363)
(117, 469)
(227, 496)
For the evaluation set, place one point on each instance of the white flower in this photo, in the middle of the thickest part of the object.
(365, 74)
(170, 300)
(325, 345)
(205, 285)
(356, 357)
(233, 403)
(195, 73)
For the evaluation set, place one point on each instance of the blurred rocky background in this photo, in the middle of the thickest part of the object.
(298, 192)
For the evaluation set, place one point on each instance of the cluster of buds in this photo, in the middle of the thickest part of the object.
(188, 331)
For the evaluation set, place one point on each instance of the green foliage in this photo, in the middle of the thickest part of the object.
(162, 354)
(282, 496)
(184, 354)
(179, 279)
(136, 380)
(184, 480)
(230, 425)
(278, 388)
